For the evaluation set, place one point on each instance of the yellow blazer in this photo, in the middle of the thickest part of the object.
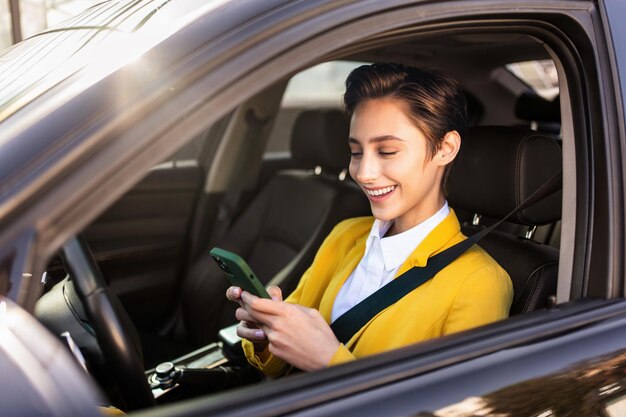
(471, 291)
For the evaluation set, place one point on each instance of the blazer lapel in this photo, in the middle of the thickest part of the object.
(351, 260)
(442, 237)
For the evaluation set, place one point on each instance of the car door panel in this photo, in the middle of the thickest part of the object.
(519, 355)
(139, 242)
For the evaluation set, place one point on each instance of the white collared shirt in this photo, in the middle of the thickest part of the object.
(382, 259)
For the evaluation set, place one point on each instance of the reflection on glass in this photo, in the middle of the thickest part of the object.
(594, 387)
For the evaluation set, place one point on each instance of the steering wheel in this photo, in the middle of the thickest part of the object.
(114, 330)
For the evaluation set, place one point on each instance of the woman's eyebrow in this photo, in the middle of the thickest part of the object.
(376, 139)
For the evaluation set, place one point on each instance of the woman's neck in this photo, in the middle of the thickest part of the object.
(410, 220)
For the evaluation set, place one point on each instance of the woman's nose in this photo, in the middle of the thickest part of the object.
(367, 170)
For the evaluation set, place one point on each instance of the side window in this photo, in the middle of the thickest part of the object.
(541, 76)
(536, 87)
(317, 87)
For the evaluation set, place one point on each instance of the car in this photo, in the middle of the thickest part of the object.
(140, 133)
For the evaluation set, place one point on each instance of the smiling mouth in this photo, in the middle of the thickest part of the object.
(380, 192)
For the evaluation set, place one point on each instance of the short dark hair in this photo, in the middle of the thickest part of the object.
(435, 100)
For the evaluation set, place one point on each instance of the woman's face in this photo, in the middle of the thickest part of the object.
(391, 164)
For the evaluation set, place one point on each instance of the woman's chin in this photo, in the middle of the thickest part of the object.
(382, 215)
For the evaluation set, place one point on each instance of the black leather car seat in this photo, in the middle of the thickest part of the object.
(497, 168)
(541, 115)
(278, 233)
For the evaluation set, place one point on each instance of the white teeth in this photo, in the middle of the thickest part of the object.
(380, 191)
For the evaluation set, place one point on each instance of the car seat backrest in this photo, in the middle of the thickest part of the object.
(279, 232)
(541, 114)
(497, 168)
(532, 107)
(320, 137)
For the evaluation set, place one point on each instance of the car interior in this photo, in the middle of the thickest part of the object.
(269, 181)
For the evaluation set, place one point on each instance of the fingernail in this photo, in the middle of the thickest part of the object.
(236, 291)
(259, 334)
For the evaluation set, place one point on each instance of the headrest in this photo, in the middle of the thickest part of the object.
(499, 167)
(532, 107)
(320, 137)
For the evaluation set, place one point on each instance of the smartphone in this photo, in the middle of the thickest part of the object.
(238, 272)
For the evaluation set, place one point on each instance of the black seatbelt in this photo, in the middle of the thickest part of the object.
(358, 316)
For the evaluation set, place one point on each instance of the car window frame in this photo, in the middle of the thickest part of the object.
(290, 62)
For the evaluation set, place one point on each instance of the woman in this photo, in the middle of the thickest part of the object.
(405, 131)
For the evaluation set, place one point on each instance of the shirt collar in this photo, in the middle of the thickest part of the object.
(444, 235)
(397, 248)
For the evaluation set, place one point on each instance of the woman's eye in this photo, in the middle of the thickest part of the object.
(356, 154)
(388, 153)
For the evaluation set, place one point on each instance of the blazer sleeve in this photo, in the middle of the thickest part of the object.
(308, 293)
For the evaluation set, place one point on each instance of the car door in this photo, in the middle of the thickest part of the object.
(430, 376)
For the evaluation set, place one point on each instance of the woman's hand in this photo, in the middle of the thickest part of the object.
(298, 335)
(248, 328)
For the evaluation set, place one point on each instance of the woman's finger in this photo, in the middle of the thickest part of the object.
(242, 314)
(233, 293)
(261, 305)
(258, 317)
(275, 292)
(253, 334)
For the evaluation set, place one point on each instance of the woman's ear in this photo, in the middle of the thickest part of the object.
(450, 146)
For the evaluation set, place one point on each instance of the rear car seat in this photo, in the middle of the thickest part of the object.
(544, 116)
(278, 233)
(541, 115)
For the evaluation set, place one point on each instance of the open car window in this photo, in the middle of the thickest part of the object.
(155, 209)
(319, 87)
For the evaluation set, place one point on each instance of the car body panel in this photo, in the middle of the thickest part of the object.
(617, 59)
(431, 375)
